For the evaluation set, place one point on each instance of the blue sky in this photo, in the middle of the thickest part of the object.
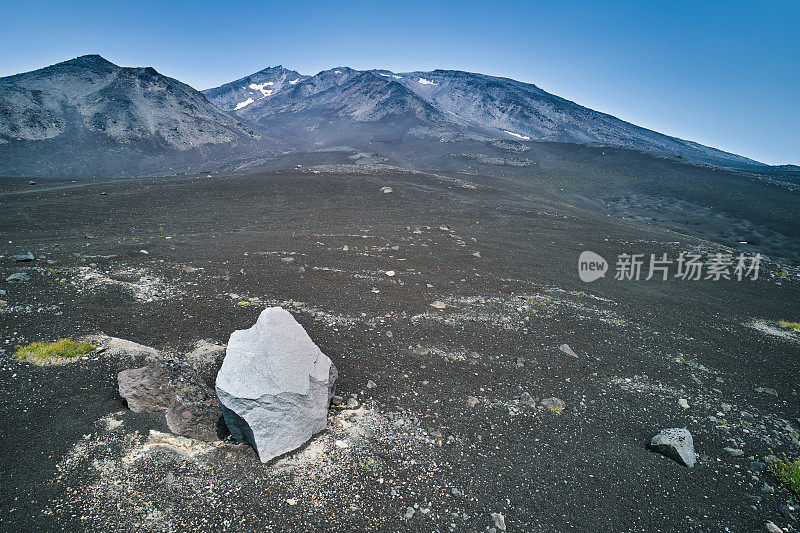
(725, 73)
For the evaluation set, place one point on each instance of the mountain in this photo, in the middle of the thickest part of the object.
(344, 106)
(523, 110)
(126, 105)
(244, 91)
(90, 117)
(445, 104)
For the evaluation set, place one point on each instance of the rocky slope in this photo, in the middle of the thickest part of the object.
(445, 104)
(125, 105)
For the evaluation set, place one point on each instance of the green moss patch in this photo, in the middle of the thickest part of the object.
(54, 353)
(791, 325)
(787, 472)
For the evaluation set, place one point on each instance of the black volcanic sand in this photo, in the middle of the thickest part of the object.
(220, 249)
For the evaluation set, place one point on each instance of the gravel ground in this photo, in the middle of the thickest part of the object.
(455, 429)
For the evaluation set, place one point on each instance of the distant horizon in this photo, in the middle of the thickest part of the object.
(719, 74)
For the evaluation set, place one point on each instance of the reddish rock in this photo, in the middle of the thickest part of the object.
(192, 408)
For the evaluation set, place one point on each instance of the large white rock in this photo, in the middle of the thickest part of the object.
(275, 385)
(675, 443)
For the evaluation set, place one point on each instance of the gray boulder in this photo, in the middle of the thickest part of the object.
(18, 277)
(275, 385)
(191, 407)
(675, 443)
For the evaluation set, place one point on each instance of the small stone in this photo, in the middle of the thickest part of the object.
(499, 521)
(683, 403)
(556, 405)
(345, 248)
(767, 489)
(19, 277)
(786, 511)
(675, 443)
(519, 361)
(352, 403)
(23, 257)
(472, 401)
(390, 273)
(455, 492)
(144, 252)
(438, 305)
(291, 501)
(767, 390)
(772, 528)
(371, 384)
(409, 514)
(726, 407)
(526, 399)
(386, 190)
(734, 452)
(567, 350)
(476, 254)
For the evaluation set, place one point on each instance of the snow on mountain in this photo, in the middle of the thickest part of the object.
(238, 94)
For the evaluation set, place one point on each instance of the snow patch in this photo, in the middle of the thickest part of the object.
(294, 81)
(517, 135)
(423, 81)
(260, 87)
(244, 104)
(337, 71)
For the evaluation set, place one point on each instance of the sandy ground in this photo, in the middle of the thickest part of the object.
(502, 257)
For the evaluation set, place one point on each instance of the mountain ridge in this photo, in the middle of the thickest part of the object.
(502, 107)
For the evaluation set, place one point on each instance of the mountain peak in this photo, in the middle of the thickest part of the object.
(276, 68)
(89, 60)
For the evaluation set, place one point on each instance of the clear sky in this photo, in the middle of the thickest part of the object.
(723, 73)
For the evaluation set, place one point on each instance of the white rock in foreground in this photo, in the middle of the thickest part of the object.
(275, 385)
(675, 443)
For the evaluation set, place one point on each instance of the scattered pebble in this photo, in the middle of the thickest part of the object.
(567, 350)
(499, 521)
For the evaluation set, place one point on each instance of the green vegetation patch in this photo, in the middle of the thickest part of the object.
(787, 472)
(54, 353)
(791, 325)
